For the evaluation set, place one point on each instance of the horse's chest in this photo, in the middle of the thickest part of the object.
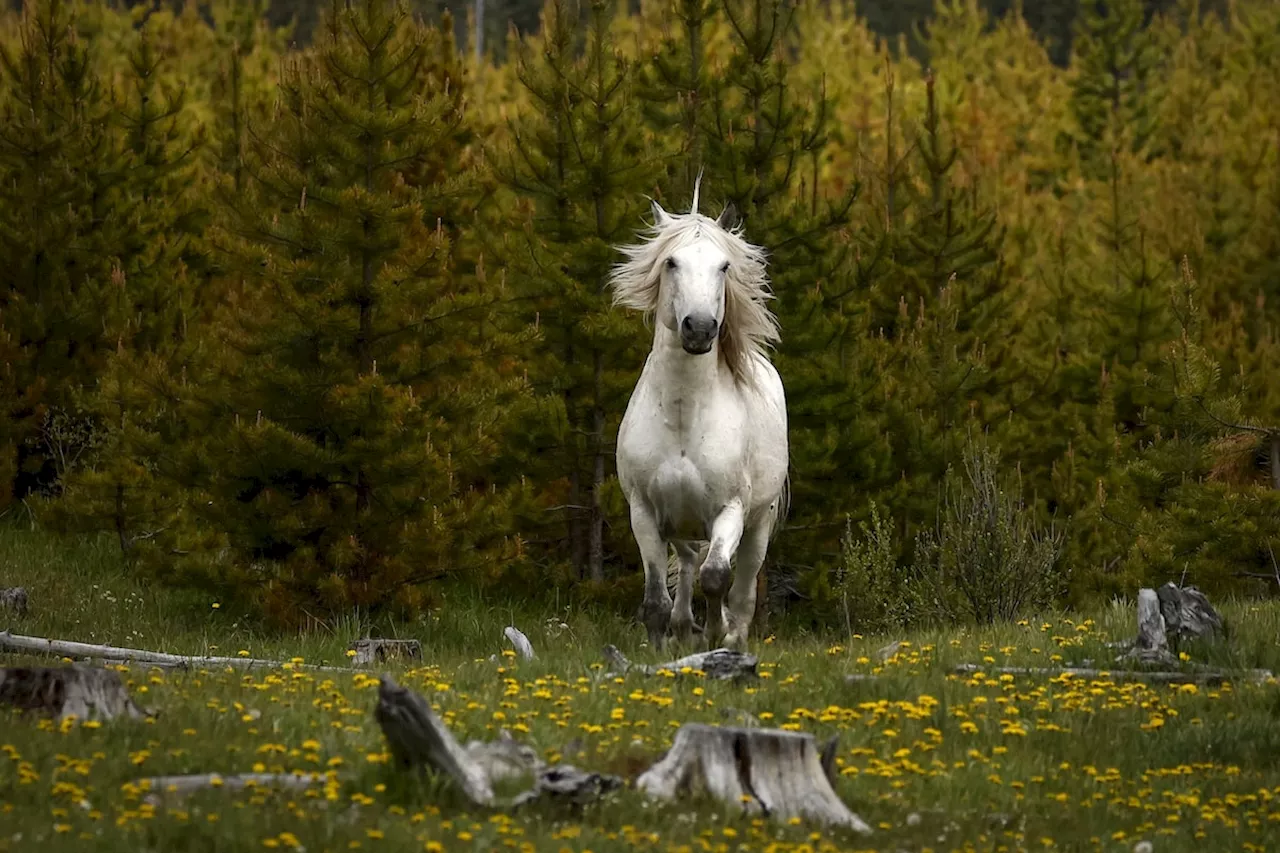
(695, 464)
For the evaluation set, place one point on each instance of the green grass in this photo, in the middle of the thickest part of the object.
(931, 760)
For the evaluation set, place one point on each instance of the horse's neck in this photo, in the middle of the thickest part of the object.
(685, 377)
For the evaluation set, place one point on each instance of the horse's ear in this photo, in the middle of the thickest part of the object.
(660, 216)
(728, 217)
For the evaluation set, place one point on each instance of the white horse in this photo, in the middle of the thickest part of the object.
(702, 450)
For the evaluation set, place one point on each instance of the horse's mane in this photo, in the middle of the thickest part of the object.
(749, 325)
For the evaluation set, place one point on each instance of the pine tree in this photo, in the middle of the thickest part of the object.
(344, 417)
(1116, 60)
(64, 230)
(578, 171)
(161, 268)
(1203, 494)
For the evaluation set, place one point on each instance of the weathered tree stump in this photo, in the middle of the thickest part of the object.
(418, 737)
(565, 783)
(716, 664)
(14, 599)
(83, 692)
(371, 650)
(1151, 645)
(1187, 614)
(766, 771)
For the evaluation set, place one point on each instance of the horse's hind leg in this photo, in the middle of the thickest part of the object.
(655, 610)
(741, 605)
(726, 532)
(682, 627)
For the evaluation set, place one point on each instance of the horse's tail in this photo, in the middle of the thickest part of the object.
(673, 563)
(784, 504)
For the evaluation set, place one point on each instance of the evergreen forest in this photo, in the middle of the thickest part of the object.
(319, 325)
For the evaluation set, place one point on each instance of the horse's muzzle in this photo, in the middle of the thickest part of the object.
(698, 334)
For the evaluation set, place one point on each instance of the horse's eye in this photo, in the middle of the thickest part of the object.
(724, 268)
(671, 263)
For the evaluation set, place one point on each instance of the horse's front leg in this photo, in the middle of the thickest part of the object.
(741, 606)
(655, 610)
(726, 532)
(682, 626)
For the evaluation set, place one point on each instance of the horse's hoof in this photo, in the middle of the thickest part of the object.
(714, 578)
(656, 618)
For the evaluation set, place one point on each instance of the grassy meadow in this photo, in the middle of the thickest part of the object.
(932, 760)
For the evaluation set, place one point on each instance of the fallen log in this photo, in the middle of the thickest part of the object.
(565, 783)
(715, 664)
(15, 599)
(523, 647)
(1200, 676)
(765, 771)
(418, 737)
(68, 691)
(180, 786)
(70, 649)
(369, 650)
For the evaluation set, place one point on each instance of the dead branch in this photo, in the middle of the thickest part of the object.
(715, 664)
(765, 771)
(69, 691)
(70, 649)
(520, 641)
(180, 786)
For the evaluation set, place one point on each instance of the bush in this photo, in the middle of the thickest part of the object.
(875, 594)
(987, 559)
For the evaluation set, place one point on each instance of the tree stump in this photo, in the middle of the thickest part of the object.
(1151, 645)
(83, 692)
(1187, 614)
(418, 737)
(14, 599)
(369, 651)
(766, 771)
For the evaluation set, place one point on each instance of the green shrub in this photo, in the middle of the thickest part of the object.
(987, 559)
(875, 593)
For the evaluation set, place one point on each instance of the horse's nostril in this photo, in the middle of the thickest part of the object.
(686, 325)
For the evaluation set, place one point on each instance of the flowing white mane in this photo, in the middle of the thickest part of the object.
(749, 326)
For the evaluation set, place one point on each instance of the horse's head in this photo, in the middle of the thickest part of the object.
(703, 282)
(691, 290)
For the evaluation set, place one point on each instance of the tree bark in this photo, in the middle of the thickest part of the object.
(595, 546)
(1275, 462)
